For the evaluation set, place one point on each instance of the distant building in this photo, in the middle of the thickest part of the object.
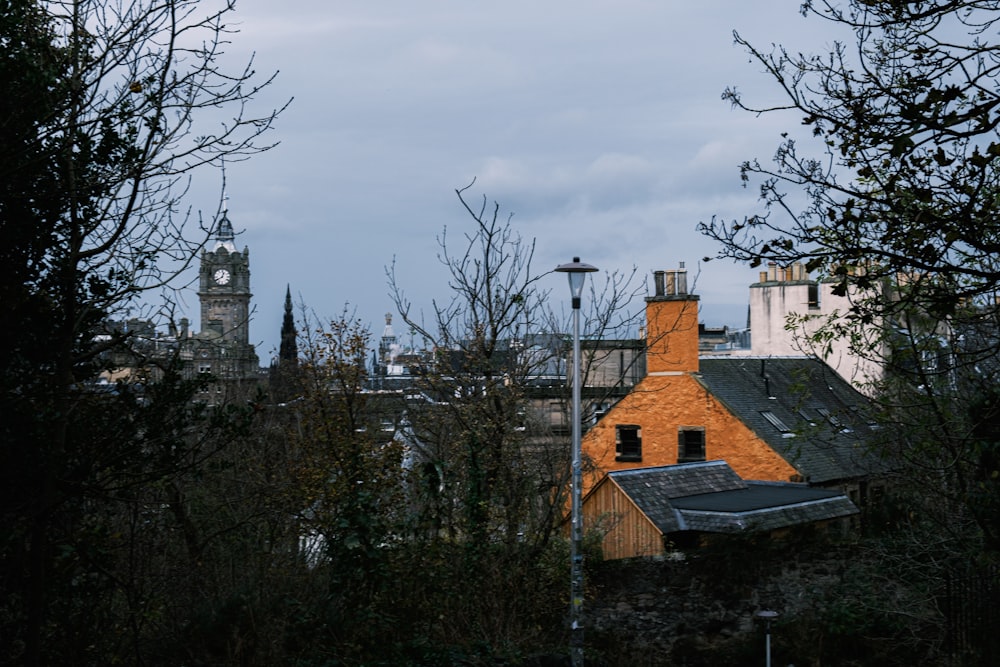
(222, 347)
(787, 308)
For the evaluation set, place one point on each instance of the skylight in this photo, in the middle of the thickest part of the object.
(775, 421)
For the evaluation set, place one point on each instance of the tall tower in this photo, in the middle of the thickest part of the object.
(288, 353)
(284, 374)
(222, 347)
(224, 288)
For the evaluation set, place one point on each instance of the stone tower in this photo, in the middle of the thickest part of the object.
(224, 288)
(222, 347)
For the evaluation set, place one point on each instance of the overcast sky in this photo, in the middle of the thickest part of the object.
(598, 124)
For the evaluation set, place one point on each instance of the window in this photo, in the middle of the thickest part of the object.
(690, 444)
(775, 421)
(829, 416)
(558, 420)
(628, 443)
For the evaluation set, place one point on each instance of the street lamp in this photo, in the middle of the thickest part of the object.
(577, 271)
(767, 616)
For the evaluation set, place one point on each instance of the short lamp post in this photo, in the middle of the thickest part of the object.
(767, 616)
(577, 274)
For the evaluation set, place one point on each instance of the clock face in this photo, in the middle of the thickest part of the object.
(221, 276)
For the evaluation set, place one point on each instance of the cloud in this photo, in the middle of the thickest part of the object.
(598, 124)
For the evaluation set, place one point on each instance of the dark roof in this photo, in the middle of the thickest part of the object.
(711, 497)
(652, 489)
(761, 506)
(802, 408)
(678, 481)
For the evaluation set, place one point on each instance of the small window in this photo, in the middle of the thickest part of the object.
(814, 296)
(690, 444)
(628, 443)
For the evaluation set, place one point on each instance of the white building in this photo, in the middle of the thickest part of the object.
(787, 309)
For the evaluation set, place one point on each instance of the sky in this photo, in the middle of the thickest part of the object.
(597, 124)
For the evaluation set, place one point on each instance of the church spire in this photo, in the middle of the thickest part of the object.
(288, 354)
(285, 369)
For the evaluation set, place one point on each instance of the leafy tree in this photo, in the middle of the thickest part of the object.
(101, 124)
(904, 178)
(350, 468)
(894, 203)
(892, 200)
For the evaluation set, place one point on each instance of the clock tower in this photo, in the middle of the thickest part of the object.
(224, 288)
(222, 347)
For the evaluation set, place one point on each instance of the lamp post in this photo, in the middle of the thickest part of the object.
(577, 271)
(767, 616)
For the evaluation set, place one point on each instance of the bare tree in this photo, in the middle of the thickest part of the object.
(493, 463)
(493, 336)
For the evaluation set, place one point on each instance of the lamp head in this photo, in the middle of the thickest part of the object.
(577, 271)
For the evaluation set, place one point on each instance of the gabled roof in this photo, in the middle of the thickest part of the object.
(800, 407)
(710, 497)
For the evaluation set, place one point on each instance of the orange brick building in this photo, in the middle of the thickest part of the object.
(776, 419)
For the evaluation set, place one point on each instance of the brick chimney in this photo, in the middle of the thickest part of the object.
(672, 325)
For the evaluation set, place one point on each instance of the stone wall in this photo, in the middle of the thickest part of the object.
(700, 610)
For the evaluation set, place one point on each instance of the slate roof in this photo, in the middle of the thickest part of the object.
(816, 420)
(710, 497)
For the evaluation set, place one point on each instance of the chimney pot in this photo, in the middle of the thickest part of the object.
(658, 282)
(682, 280)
